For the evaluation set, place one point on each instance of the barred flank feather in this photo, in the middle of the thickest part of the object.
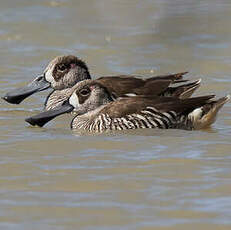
(148, 118)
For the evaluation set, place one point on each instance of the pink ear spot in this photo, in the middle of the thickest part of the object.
(92, 87)
(73, 65)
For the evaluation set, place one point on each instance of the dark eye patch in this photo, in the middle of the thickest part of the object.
(85, 91)
(59, 71)
(62, 67)
(83, 94)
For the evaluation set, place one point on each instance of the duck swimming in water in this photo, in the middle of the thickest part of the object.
(97, 111)
(63, 72)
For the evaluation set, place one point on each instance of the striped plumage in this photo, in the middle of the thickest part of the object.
(63, 72)
(97, 111)
(147, 118)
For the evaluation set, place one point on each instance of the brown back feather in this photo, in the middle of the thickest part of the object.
(175, 78)
(126, 106)
(123, 85)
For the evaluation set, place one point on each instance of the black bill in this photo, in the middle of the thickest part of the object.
(42, 118)
(16, 96)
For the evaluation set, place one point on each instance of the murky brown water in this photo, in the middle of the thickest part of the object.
(52, 178)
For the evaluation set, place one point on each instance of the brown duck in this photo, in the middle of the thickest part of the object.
(98, 112)
(64, 72)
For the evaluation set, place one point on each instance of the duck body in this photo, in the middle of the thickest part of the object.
(143, 113)
(97, 111)
(121, 86)
(63, 72)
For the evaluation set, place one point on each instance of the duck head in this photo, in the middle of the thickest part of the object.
(61, 73)
(86, 96)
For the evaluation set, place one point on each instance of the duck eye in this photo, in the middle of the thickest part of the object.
(84, 92)
(61, 67)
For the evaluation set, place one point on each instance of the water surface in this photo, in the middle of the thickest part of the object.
(53, 178)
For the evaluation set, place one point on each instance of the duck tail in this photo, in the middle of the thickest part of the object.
(186, 90)
(204, 116)
(182, 91)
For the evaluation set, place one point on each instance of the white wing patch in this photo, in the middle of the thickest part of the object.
(130, 94)
(195, 114)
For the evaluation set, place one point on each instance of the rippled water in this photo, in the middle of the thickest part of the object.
(53, 178)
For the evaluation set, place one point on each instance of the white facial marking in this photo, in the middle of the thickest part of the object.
(74, 100)
(48, 75)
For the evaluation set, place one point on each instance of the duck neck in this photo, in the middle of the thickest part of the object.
(56, 98)
(87, 120)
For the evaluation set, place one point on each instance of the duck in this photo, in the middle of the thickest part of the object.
(63, 72)
(96, 110)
